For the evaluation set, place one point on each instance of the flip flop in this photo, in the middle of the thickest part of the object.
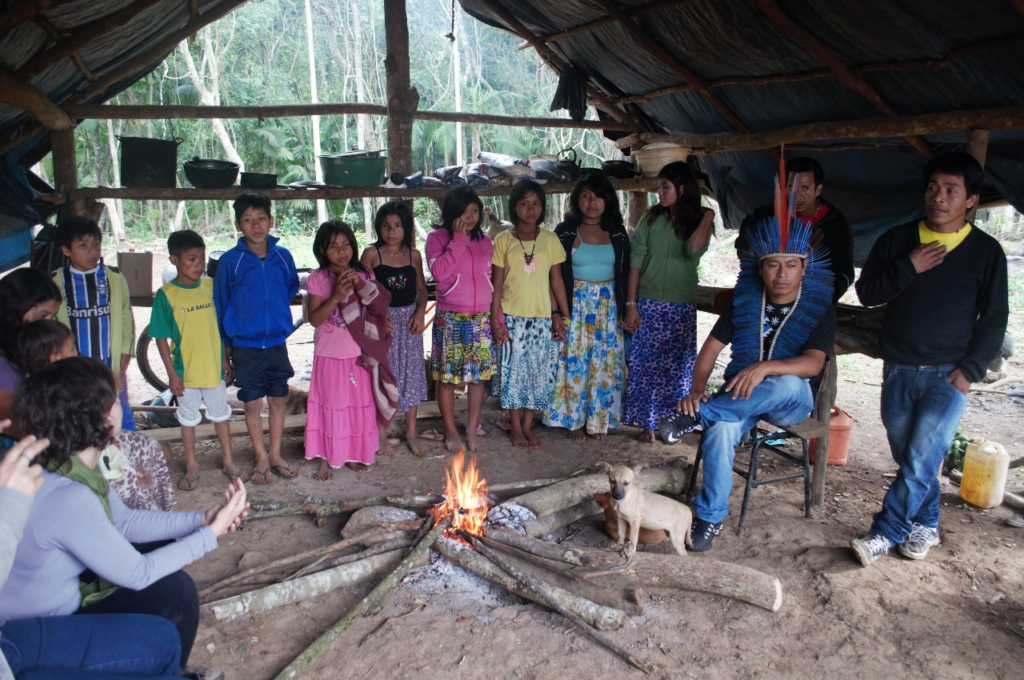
(260, 477)
(188, 483)
(503, 424)
(284, 471)
(244, 476)
(480, 430)
(432, 436)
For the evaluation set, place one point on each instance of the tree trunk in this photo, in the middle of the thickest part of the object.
(362, 122)
(210, 97)
(321, 205)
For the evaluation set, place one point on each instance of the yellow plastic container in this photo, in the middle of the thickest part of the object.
(985, 467)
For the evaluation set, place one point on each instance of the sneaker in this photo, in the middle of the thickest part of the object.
(676, 425)
(203, 673)
(920, 540)
(702, 533)
(870, 548)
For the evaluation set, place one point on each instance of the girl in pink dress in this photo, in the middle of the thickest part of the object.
(341, 426)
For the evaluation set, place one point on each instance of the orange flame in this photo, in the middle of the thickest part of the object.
(465, 496)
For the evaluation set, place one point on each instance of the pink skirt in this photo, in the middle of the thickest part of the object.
(341, 424)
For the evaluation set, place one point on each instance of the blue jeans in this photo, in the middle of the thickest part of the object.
(920, 410)
(99, 646)
(781, 399)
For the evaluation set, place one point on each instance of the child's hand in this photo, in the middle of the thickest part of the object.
(177, 385)
(499, 333)
(418, 322)
(462, 226)
(343, 286)
(126, 360)
(558, 328)
(145, 479)
(389, 325)
(632, 322)
(229, 373)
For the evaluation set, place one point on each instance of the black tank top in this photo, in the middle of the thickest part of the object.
(400, 281)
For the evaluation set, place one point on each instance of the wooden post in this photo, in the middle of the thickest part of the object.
(823, 413)
(65, 168)
(402, 97)
(635, 210)
(977, 146)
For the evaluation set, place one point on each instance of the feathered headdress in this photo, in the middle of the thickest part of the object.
(783, 234)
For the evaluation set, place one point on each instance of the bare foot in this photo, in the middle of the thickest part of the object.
(192, 470)
(452, 442)
(324, 472)
(384, 446)
(599, 436)
(471, 442)
(356, 467)
(577, 435)
(530, 436)
(647, 437)
(414, 445)
(519, 440)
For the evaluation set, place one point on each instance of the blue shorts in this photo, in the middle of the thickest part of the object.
(261, 372)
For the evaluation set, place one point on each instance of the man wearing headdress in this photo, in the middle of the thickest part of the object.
(781, 324)
(944, 286)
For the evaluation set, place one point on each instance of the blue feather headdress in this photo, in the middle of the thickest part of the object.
(783, 235)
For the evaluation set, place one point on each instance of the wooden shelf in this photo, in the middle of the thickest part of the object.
(642, 184)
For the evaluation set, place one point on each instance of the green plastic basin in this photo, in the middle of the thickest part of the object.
(353, 171)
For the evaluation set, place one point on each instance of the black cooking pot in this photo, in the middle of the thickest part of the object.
(619, 169)
(259, 180)
(206, 173)
(149, 163)
(569, 165)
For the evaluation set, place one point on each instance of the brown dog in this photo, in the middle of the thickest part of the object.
(611, 523)
(640, 508)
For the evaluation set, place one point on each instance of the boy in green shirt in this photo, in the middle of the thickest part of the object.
(184, 314)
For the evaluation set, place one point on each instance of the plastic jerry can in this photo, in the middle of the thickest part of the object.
(985, 466)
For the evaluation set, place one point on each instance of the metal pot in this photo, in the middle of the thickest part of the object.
(149, 163)
(569, 165)
(619, 169)
(205, 173)
(258, 180)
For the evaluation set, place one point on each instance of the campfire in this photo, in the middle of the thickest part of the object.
(465, 498)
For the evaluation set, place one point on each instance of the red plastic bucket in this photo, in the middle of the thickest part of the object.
(838, 437)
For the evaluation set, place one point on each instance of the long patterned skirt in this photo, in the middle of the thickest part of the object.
(405, 357)
(461, 351)
(588, 365)
(661, 359)
(341, 424)
(140, 478)
(523, 378)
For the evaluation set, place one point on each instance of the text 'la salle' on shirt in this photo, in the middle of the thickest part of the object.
(185, 315)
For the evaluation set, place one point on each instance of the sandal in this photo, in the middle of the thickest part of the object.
(284, 471)
(189, 483)
(261, 477)
(432, 436)
(235, 475)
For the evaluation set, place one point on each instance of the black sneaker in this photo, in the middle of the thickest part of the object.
(676, 425)
(702, 533)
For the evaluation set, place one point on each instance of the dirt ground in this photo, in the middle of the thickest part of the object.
(959, 613)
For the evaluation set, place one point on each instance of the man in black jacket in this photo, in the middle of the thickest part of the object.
(830, 226)
(943, 284)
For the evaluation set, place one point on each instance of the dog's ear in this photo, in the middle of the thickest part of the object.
(637, 468)
(604, 466)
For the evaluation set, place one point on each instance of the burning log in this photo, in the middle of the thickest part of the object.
(377, 595)
(672, 478)
(384, 532)
(598, 616)
(669, 571)
(545, 592)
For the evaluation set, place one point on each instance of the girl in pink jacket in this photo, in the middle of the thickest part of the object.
(459, 258)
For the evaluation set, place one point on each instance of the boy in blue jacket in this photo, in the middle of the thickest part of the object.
(255, 283)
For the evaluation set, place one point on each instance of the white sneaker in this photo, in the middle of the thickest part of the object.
(920, 540)
(870, 547)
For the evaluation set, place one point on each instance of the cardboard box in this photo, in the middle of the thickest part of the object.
(137, 268)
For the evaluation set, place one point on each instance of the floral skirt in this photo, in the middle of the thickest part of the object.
(661, 358)
(405, 357)
(461, 351)
(341, 423)
(523, 378)
(589, 364)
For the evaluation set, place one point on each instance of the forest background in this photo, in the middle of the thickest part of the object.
(259, 55)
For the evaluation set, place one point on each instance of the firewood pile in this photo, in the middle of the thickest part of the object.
(497, 540)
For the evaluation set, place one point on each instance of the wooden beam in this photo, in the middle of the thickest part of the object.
(33, 102)
(65, 168)
(57, 36)
(804, 38)
(402, 96)
(20, 12)
(67, 46)
(1002, 118)
(158, 51)
(977, 146)
(546, 53)
(803, 76)
(99, 111)
(646, 41)
(604, 21)
(326, 193)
